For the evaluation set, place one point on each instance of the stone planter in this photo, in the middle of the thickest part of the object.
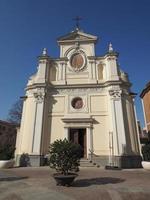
(64, 180)
(6, 163)
(146, 165)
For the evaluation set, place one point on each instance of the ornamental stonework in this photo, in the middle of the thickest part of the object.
(77, 61)
(76, 91)
(39, 95)
(77, 103)
(115, 93)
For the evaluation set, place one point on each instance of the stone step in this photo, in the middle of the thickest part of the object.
(86, 163)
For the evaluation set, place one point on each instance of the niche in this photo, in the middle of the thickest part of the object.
(100, 72)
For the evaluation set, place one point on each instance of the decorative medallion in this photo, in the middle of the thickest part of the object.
(77, 60)
(77, 103)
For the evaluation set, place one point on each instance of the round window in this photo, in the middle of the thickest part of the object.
(77, 103)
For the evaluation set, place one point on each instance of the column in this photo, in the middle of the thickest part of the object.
(89, 139)
(66, 135)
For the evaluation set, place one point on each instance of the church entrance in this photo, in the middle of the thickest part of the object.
(78, 136)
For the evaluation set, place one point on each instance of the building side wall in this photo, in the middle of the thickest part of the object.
(26, 131)
(146, 102)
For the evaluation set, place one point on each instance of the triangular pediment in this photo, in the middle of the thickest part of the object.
(77, 35)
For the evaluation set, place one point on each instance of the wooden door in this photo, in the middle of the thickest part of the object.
(74, 136)
(78, 136)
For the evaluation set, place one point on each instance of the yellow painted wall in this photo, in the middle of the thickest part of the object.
(57, 128)
(101, 135)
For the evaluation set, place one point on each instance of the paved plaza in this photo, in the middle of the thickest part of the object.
(91, 184)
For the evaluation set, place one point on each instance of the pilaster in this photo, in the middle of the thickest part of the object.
(92, 72)
(41, 76)
(118, 122)
(62, 73)
(112, 66)
(37, 129)
(66, 134)
(89, 141)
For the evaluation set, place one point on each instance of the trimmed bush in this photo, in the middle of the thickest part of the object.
(64, 156)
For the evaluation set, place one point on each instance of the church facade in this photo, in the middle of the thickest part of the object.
(81, 97)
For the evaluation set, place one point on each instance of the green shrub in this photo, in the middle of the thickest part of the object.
(7, 152)
(146, 152)
(64, 156)
(24, 160)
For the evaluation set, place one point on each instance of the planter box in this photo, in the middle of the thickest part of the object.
(6, 163)
(146, 165)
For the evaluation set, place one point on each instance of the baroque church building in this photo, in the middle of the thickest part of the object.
(81, 97)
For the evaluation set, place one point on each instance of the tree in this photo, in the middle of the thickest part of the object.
(15, 113)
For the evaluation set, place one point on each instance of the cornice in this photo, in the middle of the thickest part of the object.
(73, 37)
(60, 59)
(113, 53)
(103, 56)
(73, 86)
(48, 58)
(36, 85)
(77, 40)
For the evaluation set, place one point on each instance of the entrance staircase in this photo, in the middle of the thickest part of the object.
(87, 163)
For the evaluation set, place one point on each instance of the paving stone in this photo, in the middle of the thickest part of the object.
(91, 184)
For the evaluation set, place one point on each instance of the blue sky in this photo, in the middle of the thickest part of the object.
(26, 26)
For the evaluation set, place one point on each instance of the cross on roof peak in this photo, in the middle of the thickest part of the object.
(77, 19)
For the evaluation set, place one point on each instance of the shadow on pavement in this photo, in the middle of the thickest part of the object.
(12, 178)
(97, 181)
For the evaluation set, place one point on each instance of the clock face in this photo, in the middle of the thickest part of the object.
(77, 61)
